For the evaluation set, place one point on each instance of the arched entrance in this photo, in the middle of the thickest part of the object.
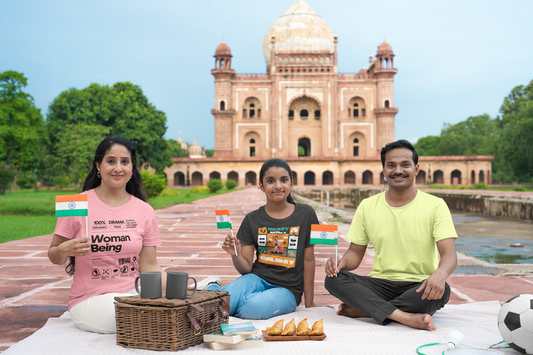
(368, 177)
(421, 177)
(473, 177)
(309, 178)
(349, 178)
(304, 147)
(294, 178)
(233, 175)
(456, 177)
(327, 178)
(438, 177)
(179, 179)
(197, 179)
(481, 176)
(214, 175)
(251, 178)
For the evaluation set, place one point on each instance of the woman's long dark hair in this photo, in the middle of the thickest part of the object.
(277, 163)
(92, 180)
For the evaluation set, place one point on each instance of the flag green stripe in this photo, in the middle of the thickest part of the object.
(223, 225)
(71, 213)
(323, 241)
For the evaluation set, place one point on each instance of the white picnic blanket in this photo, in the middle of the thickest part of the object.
(477, 321)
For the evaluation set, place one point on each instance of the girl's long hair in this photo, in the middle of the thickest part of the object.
(133, 187)
(278, 163)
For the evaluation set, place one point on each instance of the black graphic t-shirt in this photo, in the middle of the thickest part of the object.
(280, 246)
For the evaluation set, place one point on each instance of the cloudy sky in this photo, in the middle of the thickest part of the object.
(455, 59)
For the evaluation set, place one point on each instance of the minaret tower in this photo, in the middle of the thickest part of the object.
(384, 71)
(224, 109)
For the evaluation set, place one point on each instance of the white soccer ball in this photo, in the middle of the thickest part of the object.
(515, 322)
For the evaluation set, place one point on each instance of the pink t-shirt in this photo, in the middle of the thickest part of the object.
(117, 235)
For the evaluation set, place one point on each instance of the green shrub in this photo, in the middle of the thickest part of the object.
(480, 186)
(153, 184)
(169, 192)
(214, 185)
(24, 183)
(230, 184)
(6, 177)
(199, 189)
(519, 188)
(62, 182)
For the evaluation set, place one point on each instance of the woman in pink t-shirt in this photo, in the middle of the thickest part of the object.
(123, 234)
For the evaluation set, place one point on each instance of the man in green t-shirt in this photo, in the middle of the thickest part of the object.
(409, 229)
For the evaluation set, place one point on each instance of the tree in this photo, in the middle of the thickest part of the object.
(477, 135)
(22, 133)
(428, 146)
(76, 146)
(209, 153)
(516, 126)
(123, 109)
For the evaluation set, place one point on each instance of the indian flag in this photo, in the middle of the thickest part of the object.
(324, 234)
(223, 221)
(71, 205)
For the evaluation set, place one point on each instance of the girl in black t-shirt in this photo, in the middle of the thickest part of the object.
(285, 265)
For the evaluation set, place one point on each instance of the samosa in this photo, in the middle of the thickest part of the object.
(317, 328)
(290, 328)
(276, 328)
(303, 328)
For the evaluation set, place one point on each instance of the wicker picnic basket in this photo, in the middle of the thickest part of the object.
(169, 324)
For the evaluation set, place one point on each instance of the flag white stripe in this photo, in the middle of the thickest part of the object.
(80, 205)
(223, 218)
(318, 235)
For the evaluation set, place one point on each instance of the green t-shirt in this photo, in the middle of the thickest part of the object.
(404, 238)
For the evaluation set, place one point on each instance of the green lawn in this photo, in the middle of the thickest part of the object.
(21, 227)
(26, 213)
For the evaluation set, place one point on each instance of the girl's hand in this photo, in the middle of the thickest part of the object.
(229, 243)
(75, 247)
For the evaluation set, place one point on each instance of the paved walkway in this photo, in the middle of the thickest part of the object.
(33, 290)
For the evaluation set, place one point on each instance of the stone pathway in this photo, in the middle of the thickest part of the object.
(33, 289)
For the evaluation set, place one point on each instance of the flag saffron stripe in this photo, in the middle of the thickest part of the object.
(71, 198)
(323, 228)
(222, 212)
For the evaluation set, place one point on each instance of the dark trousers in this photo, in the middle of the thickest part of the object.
(378, 298)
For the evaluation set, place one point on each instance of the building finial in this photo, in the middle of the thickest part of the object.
(222, 40)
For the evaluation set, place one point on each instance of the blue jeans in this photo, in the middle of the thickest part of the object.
(254, 298)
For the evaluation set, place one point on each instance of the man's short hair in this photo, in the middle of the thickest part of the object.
(401, 143)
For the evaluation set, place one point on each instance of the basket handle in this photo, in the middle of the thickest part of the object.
(224, 306)
(196, 325)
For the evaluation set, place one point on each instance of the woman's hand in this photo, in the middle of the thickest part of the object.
(230, 244)
(61, 248)
(75, 247)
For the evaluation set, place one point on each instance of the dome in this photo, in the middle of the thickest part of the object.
(384, 48)
(195, 150)
(182, 143)
(300, 29)
(223, 49)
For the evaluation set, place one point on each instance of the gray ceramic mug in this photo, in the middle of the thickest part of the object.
(150, 284)
(177, 285)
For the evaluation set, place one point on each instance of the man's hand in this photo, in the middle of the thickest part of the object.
(433, 286)
(333, 268)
